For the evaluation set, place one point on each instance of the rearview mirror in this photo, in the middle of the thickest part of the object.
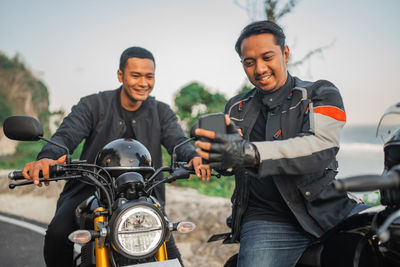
(22, 128)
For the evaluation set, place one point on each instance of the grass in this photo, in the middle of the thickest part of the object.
(27, 152)
(222, 187)
(371, 198)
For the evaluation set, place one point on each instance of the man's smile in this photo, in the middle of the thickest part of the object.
(264, 79)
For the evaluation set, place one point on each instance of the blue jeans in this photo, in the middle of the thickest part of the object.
(275, 244)
(271, 244)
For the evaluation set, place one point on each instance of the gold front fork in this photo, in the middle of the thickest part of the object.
(102, 253)
(161, 254)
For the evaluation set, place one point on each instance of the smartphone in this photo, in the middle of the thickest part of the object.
(212, 122)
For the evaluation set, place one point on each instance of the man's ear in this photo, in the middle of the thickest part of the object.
(120, 74)
(286, 53)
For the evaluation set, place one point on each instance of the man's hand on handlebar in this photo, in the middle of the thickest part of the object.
(224, 151)
(31, 170)
(202, 171)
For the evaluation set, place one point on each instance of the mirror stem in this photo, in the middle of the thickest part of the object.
(173, 156)
(68, 159)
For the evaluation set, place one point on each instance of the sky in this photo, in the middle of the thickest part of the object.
(74, 46)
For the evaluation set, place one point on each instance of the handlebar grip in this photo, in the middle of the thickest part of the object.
(179, 173)
(188, 168)
(364, 183)
(17, 175)
(185, 166)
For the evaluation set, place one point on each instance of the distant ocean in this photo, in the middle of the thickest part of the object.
(361, 152)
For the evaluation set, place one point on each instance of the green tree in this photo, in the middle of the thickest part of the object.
(247, 86)
(193, 100)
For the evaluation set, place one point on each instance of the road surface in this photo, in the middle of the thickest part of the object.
(21, 242)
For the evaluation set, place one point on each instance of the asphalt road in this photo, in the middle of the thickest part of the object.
(21, 242)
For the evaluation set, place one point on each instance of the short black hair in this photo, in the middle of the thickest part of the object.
(259, 27)
(134, 51)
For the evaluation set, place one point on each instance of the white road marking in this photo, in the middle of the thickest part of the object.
(27, 225)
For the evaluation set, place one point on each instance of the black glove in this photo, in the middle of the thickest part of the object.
(232, 151)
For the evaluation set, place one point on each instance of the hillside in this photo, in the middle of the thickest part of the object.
(21, 93)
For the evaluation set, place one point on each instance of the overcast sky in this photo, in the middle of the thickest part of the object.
(74, 46)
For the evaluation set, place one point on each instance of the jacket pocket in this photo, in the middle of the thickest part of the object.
(313, 186)
(326, 206)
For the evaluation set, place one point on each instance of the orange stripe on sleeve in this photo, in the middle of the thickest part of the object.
(332, 112)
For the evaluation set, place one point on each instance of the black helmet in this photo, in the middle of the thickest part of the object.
(123, 155)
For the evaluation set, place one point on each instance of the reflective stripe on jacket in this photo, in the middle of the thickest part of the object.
(299, 154)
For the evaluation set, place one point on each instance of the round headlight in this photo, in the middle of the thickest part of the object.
(138, 230)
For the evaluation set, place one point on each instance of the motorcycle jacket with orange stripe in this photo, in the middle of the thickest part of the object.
(299, 154)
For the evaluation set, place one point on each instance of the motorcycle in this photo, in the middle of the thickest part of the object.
(372, 236)
(121, 224)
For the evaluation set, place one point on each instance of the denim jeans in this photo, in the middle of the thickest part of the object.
(271, 244)
(275, 244)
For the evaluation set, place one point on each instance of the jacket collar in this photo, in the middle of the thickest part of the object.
(143, 108)
(274, 99)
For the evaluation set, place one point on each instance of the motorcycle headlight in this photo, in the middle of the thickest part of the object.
(138, 230)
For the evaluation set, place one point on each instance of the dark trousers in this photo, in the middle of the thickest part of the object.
(58, 250)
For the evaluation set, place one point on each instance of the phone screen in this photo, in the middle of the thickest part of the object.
(213, 122)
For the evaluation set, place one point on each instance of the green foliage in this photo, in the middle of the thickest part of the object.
(5, 110)
(78, 151)
(166, 158)
(11, 65)
(371, 198)
(222, 187)
(26, 152)
(194, 100)
(245, 88)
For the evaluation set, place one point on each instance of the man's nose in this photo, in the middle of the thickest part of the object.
(142, 82)
(261, 67)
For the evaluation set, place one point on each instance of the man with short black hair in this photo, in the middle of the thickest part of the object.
(284, 157)
(98, 119)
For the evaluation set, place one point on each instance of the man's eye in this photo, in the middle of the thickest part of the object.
(267, 58)
(248, 63)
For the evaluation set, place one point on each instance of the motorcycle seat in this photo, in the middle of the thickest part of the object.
(312, 256)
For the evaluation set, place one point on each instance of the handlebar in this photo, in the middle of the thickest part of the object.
(182, 170)
(364, 183)
(56, 172)
(53, 170)
(12, 186)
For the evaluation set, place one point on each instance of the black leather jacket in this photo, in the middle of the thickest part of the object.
(97, 119)
(299, 154)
